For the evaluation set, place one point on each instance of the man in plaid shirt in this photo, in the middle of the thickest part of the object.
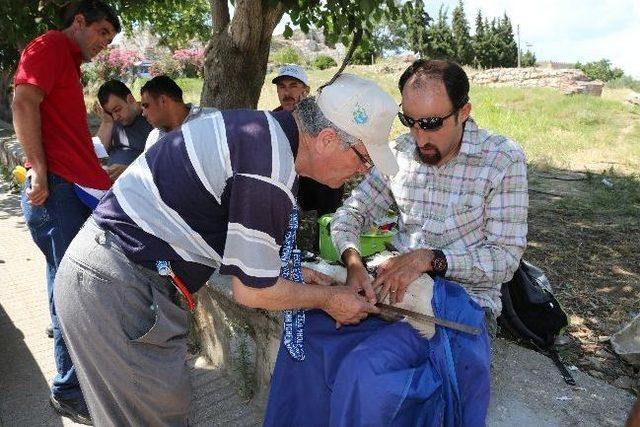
(461, 194)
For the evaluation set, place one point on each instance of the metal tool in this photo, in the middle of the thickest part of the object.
(396, 313)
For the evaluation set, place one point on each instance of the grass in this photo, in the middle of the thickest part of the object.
(575, 132)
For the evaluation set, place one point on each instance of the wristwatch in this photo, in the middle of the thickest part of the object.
(439, 263)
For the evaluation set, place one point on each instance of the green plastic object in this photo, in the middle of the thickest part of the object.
(369, 243)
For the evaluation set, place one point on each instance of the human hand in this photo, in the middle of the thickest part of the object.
(395, 274)
(347, 307)
(115, 170)
(99, 111)
(359, 280)
(312, 277)
(38, 191)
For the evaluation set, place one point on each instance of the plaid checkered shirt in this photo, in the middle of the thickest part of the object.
(473, 208)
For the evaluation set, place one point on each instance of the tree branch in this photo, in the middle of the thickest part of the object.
(219, 15)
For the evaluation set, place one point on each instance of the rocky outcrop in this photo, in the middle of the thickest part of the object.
(569, 81)
(309, 45)
(634, 98)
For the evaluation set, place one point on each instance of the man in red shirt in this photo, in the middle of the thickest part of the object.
(50, 120)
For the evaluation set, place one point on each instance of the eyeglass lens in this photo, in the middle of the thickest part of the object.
(425, 123)
(366, 162)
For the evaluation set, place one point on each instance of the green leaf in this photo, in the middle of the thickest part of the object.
(288, 32)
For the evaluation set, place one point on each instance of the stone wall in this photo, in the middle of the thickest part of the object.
(569, 81)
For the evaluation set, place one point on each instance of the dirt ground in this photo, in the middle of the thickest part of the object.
(584, 232)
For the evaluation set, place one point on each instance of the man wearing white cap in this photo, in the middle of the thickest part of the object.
(217, 193)
(292, 85)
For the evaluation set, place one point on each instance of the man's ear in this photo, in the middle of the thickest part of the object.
(326, 140)
(79, 21)
(307, 89)
(464, 112)
(131, 99)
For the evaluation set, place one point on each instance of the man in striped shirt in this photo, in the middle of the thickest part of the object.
(217, 193)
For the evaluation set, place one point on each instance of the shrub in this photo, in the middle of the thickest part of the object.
(166, 65)
(191, 60)
(323, 62)
(364, 55)
(624, 82)
(600, 70)
(287, 55)
(89, 74)
(117, 63)
(528, 59)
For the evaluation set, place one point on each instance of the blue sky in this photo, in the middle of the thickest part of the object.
(567, 30)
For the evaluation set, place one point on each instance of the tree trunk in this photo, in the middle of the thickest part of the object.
(236, 57)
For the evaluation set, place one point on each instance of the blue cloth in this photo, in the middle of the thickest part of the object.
(53, 226)
(385, 374)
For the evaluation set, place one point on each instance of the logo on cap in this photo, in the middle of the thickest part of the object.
(360, 115)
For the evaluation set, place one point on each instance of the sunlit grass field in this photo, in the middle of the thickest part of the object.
(574, 132)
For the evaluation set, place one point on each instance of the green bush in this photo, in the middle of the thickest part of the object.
(528, 59)
(89, 74)
(600, 70)
(323, 62)
(624, 82)
(364, 55)
(166, 65)
(287, 55)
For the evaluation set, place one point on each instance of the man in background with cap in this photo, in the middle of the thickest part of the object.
(292, 85)
(461, 197)
(217, 193)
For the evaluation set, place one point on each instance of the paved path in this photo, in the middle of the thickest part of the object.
(26, 354)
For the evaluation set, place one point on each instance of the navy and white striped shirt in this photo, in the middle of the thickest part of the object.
(215, 193)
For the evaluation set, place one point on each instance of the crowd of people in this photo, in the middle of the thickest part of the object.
(178, 200)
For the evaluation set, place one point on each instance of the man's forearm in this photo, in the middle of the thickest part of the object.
(351, 258)
(27, 124)
(105, 133)
(282, 296)
(486, 263)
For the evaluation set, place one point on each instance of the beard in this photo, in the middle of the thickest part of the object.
(430, 159)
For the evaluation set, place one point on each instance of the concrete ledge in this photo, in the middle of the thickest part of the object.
(243, 340)
(527, 389)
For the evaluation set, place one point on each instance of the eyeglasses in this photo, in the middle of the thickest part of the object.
(367, 162)
(428, 124)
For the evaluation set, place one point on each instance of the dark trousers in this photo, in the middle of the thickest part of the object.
(313, 195)
(53, 226)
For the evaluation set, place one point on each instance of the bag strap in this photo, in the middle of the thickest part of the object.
(552, 353)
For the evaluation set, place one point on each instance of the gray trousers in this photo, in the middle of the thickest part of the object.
(126, 336)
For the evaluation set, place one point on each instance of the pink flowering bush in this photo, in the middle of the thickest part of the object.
(116, 63)
(166, 65)
(191, 61)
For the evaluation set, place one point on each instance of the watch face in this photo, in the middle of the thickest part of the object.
(439, 263)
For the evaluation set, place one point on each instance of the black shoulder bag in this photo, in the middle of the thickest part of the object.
(531, 313)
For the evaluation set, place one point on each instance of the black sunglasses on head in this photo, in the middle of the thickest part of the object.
(425, 123)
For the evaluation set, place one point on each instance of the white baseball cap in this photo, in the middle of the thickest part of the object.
(292, 70)
(362, 109)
